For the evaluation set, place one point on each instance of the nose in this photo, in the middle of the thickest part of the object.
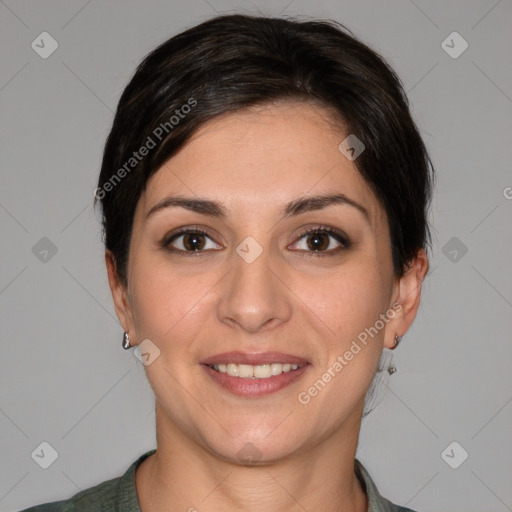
(254, 296)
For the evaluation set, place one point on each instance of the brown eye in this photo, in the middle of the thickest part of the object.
(189, 241)
(322, 240)
(317, 241)
(193, 241)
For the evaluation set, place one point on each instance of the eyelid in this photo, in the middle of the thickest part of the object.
(337, 234)
(178, 232)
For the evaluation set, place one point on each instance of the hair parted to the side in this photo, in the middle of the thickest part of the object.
(233, 62)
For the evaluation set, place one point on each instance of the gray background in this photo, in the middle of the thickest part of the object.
(64, 377)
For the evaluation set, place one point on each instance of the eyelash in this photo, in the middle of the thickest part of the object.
(337, 235)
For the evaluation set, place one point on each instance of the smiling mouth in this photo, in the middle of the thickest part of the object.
(262, 371)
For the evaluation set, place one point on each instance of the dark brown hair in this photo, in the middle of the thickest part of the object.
(236, 61)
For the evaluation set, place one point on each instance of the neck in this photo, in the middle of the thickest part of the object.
(186, 476)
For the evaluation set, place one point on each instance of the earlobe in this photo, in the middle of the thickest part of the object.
(407, 296)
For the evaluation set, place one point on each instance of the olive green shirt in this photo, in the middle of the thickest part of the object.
(120, 495)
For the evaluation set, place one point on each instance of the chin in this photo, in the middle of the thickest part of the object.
(255, 448)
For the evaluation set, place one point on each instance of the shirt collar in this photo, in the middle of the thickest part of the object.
(126, 495)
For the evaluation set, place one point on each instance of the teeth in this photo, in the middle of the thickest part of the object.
(247, 371)
(232, 369)
(276, 369)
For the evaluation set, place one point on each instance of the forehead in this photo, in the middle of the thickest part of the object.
(263, 156)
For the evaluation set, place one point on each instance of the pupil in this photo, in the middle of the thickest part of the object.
(193, 241)
(317, 242)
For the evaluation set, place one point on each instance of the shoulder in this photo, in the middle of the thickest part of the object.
(100, 497)
(111, 495)
(391, 507)
(376, 502)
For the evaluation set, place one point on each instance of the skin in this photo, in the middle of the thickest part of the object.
(288, 300)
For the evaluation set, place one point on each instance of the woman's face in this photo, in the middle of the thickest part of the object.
(251, 290)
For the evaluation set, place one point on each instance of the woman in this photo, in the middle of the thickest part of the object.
(265, 196)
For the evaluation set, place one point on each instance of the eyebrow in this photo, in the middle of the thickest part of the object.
(295, 207)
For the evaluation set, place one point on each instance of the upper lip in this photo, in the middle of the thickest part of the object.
(253, 358)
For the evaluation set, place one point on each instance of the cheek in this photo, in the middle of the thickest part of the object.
(346, 308)
(348, 301)
(167, 305)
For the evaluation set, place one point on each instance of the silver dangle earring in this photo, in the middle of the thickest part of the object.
(126, 341)
(392, 368)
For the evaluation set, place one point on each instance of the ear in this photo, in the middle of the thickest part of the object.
(120, 296)
(406, 298)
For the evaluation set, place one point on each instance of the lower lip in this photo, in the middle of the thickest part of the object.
(255, 387)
